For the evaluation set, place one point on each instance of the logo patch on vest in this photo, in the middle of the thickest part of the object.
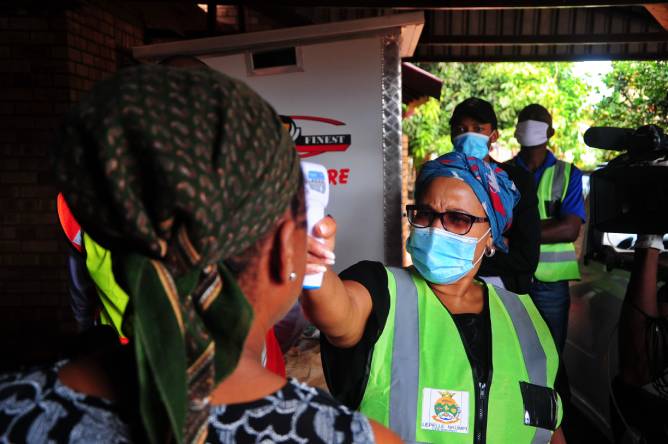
(445, 410)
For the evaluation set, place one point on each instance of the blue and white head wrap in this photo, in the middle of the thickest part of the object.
(491, 185)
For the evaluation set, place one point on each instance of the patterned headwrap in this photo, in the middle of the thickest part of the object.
(173, 171)
(491, 185)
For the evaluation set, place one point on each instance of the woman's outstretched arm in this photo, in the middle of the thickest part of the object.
(340, 309)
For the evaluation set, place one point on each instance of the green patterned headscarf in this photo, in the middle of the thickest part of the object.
(173, 171)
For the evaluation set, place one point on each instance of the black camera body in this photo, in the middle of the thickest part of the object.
(630, 193)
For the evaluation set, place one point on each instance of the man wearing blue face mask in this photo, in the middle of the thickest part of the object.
(473, 130)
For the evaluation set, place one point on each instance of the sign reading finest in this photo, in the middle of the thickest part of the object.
(313, 144)
(310, 144)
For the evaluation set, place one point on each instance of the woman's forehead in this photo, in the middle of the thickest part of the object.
(451, 192)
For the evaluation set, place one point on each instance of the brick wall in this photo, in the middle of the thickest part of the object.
(98, 43)
(47, 60)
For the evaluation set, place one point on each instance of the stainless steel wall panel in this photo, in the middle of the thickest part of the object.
(391, 122)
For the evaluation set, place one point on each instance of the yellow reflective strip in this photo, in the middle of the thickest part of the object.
(545, 191)
(113, 297)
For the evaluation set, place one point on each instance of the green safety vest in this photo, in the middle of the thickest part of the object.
(558, 262)
(420, 381)
(113, 297)
(98, 264)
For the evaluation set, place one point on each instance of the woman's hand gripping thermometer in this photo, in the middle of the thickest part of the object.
(316, 189)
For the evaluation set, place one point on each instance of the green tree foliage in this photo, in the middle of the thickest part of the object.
(637, 94)
(509, 87)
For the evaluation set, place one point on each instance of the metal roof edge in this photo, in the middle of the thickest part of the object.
(409, 24)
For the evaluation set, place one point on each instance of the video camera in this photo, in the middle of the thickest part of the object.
(630, 193)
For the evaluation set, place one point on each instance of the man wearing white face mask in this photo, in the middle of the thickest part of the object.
(561, 208)
(473, 130)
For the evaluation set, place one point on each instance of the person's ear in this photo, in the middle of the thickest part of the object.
(550, 132)
(490, 249)
(490, 242)
(493, 137)
(283, 252)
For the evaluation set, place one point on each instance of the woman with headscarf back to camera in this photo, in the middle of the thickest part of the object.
(428, 350)
(188, 180)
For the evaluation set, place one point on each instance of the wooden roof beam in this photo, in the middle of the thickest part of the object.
(537, 57)
(660, 13)
(445, 4)
(543, 40)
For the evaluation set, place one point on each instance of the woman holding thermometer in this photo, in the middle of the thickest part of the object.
(428, 350)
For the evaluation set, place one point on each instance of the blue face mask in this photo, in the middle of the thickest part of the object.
(442, 257)
(472, 144)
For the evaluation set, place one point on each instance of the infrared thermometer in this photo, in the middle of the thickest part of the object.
(316, 191)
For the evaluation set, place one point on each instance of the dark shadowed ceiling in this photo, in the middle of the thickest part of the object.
(454, 30)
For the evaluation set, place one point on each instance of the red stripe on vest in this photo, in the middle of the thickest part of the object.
(70, 225)
(275, 360)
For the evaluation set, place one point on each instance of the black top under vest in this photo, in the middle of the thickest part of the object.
(347, 370)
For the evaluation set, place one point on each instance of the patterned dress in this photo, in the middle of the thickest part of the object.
(35, 407)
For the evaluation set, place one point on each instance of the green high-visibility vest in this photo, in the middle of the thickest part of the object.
(420, 381)
(558, 262)
(113, 297)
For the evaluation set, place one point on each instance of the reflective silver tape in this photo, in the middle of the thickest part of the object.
(404, 386)
(557, 256)
(535, 360)
(542, 436)
(533, 353)
(558, 179)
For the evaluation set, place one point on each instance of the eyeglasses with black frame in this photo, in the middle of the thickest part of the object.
(456, 222)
